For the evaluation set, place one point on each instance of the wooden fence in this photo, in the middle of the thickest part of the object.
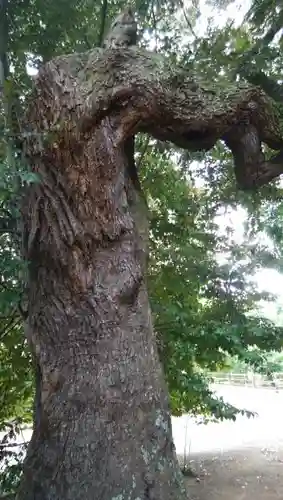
(248, 380)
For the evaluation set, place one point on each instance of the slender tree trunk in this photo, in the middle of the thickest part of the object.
(103, 429)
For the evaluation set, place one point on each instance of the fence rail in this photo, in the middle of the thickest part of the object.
(248, 379)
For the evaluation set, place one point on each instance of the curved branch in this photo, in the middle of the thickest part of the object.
(251, 167)
(140, 91)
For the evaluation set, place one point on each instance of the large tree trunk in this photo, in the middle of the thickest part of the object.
(103, 427)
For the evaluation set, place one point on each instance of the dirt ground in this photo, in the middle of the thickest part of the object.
(253, 474)
(240, 460)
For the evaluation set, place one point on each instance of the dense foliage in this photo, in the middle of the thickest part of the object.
(203, 295)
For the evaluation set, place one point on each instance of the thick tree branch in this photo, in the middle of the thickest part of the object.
(270, 86)
(102, 22)
(140, 91)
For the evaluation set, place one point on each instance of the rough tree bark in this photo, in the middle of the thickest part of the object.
(103, 429)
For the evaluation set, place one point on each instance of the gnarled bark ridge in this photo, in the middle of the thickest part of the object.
(104, 427)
